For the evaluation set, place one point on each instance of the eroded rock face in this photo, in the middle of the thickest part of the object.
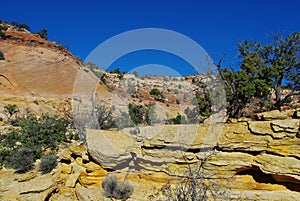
(268, 152)
(243, 159)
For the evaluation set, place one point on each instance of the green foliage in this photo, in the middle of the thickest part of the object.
(124, 121)
(2, 28)
(46, 131)
(131, 90)
(136, 113)
(93, 67)
(140, 114)
(158, 95)
(43, 33)
(204, 105)
(20, 25)
(1, 54)
(61, 46)
(117, 71)
(22, 159)
(114, 189)
(104, 116)
(33, 137)
(263, 67)
(179, 119)
(11, 110)
(48, 163)
(135, 73)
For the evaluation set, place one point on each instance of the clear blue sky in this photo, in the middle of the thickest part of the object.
(216, 25)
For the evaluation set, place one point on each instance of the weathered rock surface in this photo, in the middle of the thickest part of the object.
(262, 156)
(244, 159)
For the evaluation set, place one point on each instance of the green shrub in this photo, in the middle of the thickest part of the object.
(179, 119)
(22, 160)
(117, 71)
(43, 33)
(10, 110)
(48, 163)
(1, 53)
(46, 131)
(113, 189)
(61, 46)
(104, 116)
(34, 136)
(140, 113)
(158, 95)
(136, 113)
(20, 25)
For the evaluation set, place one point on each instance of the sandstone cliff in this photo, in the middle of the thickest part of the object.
(251, 160)
(37, 75)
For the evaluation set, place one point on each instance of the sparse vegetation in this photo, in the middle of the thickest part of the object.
(11, 110)
(158, 95)
(34, 136)
(114, 189)
(43, 33)
(94, 68)
(195, 185)
(61, 46)
(104, 116)
(3, 27)
(139, 114)
(179, 119)
(1, 54)
(48, 163)
(20, 26)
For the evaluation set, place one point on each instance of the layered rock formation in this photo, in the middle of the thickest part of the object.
(259, 160)
(249, 160)
(39, 76)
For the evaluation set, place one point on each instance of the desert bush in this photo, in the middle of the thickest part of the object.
(136, 113)
(43, 33)
(195, 185)
(1, 53)
(104, 116)
(34, 136)
(61, 46)
(22, 160)
(20, 25)
(48, 163)
(114, 189)
(2, 35)
(179, 119)
(11, 110)
(45, 131)
(140, 114)
(158, 95)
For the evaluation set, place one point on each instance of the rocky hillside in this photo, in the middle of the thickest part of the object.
(37, 75)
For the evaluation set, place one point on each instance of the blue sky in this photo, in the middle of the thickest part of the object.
(216, 25)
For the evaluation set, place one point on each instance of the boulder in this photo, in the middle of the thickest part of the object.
(274, 114)
(110, 148)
